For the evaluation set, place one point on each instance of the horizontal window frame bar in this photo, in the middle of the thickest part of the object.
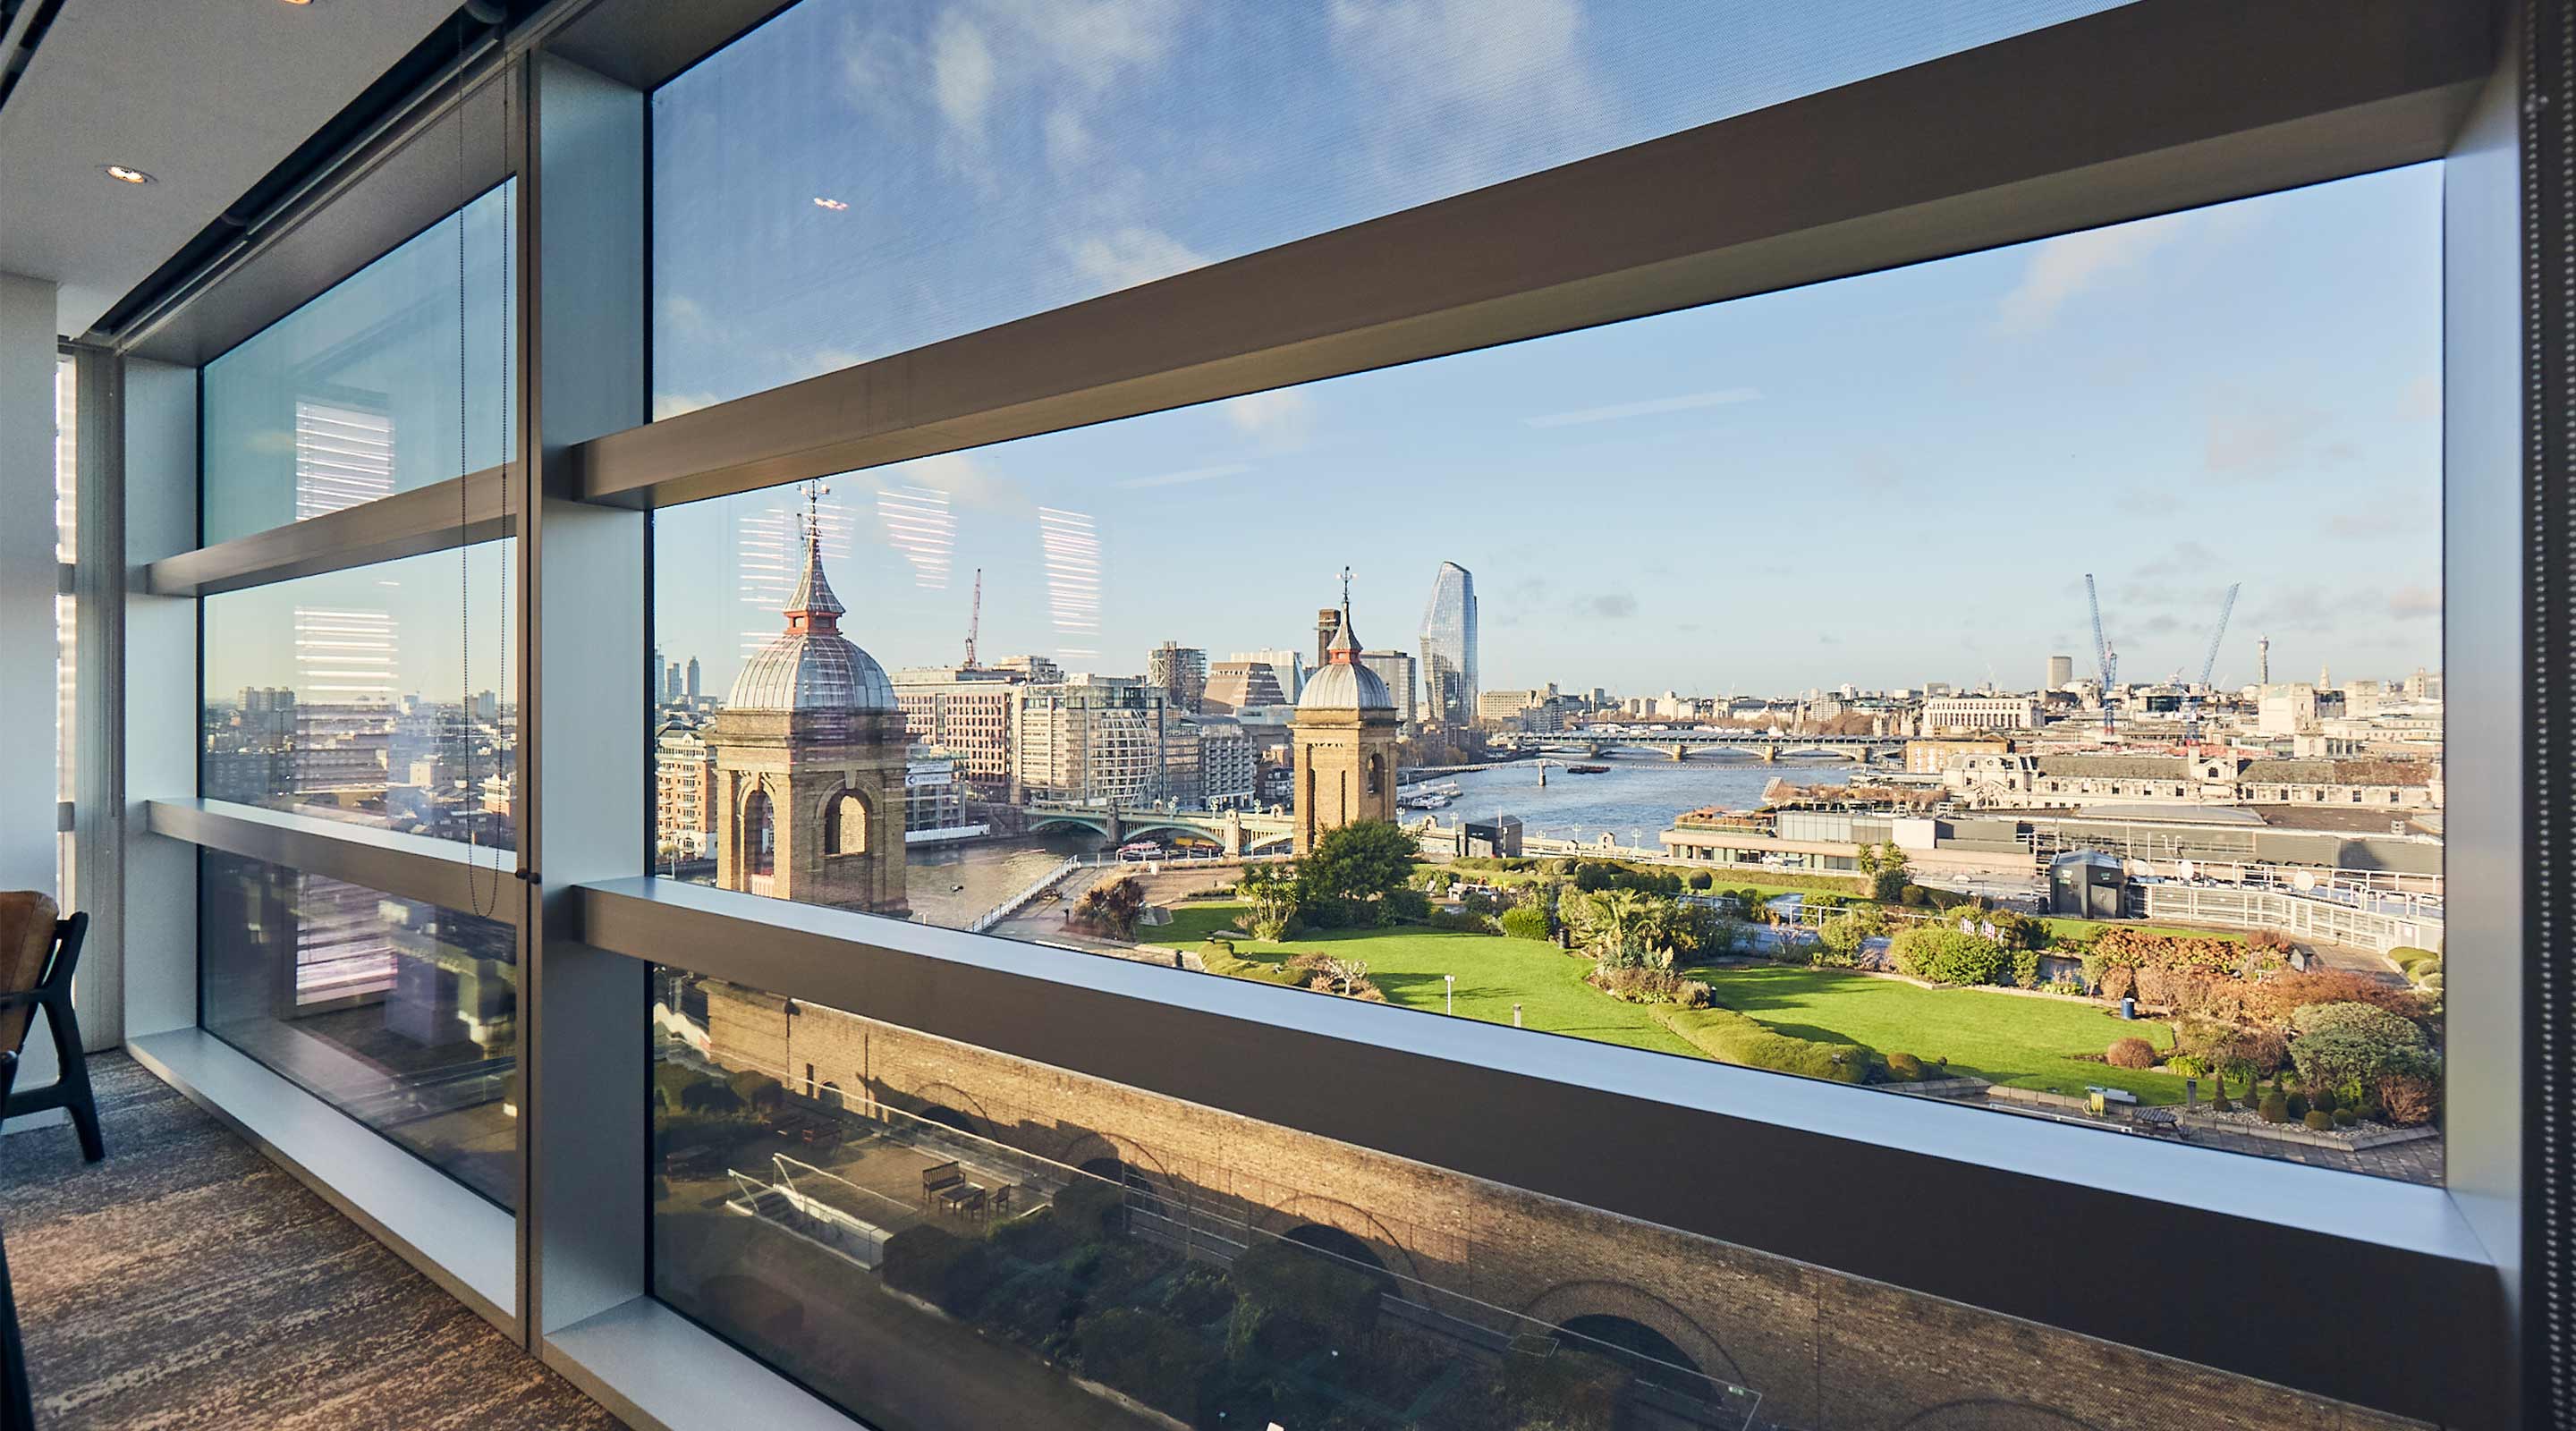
(2182, 104)
(425, 519)
(440, 872)
(456, 1239)
(656, 1370)
(1668, 1140)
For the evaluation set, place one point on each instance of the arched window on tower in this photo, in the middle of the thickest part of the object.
(759, 835)
(1376, 775)
(845, 825)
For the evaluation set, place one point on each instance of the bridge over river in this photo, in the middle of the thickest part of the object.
(1239, 831)
(1680, 743)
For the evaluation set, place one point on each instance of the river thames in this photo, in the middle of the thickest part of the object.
(1633, 801)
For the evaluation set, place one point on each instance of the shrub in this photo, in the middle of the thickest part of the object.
(1904, 1068)
(2407, 1099)
(1149, 1357)
(2116, 982)
(2275, 1107)
(2130, 1052)
(2344, 1118)
(2270, 941)
(2319, 1121)
(2277, 999)
(2025, 966)
(1701, 879)
(1110, 908)
(1298, 1283)
(2322, 1098)
(1730, 1037)
(1525, 921)
(1231, 967)
(2185, 1065)
(2218, 1098)
(2413, 960)
(2298, 1104)
(1841, 937)
(2141, 950)
(1947, 956)
(941, 1268)
(1914, 896)
(2357, 1044)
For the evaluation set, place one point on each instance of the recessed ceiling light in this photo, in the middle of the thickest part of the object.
(834, 205)
(124, 175)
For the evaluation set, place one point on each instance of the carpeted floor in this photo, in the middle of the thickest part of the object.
(188, 1282)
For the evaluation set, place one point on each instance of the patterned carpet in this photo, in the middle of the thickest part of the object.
(187, 1282)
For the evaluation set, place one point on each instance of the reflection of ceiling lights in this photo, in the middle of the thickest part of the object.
(124, 175)
(834, 205)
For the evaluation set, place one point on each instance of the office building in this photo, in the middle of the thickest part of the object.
(2061, 672)
(1182, 672)
(1091, 740)
(1448, 647)
(968, 712)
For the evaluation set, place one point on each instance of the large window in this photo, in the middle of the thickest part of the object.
(400, 1014)
(945, 1238)
(370, 695)
(853, 178)
(355, 395)
(1721, 683)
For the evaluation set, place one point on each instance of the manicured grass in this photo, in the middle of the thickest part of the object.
(2065, 931)
(2004, 1038)
(1493, 973)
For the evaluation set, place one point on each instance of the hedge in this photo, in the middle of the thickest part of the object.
(1948, 956)
(1151, 1358)
(1730, 1037)
(1525, 921)
(1309, 1286)
(1237, 968)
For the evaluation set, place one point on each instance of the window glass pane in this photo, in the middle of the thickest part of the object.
(355, 395)
(402, 1015)
(943, 1238)
(1663, 642)
(66, 613)
(357, 695)
(857, 178)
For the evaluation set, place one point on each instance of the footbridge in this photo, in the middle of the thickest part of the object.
(1239, 831)
(1680, 743)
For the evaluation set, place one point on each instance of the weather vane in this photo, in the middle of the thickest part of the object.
(815, 492)
(1346, 588)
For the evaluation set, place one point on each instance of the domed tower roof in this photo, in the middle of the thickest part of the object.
(1344, 684)
(811, 666)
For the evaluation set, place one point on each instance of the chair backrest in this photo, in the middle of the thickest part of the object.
(27, 935)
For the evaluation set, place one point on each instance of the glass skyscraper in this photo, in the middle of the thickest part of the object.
(1449, 647)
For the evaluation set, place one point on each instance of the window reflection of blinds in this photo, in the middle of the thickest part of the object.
(343, 458)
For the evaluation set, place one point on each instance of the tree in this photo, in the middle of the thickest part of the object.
(1353, 871)
(1270, 897)
(1111, 907)
(717, 1100)
(1883, 871)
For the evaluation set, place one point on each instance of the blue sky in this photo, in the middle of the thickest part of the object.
(1886, 479)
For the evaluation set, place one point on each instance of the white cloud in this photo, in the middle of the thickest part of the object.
(1486, 51)
(2060, 268)
(1279, 418)
(1068, 140)
(1479, 90)
(1688, 402)
(669, 405)
(1126, 257)
(967, 481)
(961, 72)
(1186, 476)
(2412, 603)
(2264, 439)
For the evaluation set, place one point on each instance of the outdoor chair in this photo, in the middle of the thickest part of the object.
(39, 954)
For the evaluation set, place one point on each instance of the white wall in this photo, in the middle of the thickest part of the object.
(29, 788)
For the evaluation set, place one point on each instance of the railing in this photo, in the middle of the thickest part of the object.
(1016, 902)
(2303, 914)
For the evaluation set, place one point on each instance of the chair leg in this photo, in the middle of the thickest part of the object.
(78, 1100)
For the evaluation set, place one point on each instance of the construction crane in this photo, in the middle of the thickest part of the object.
(2106, 658)
(975, 619)
(2208, 664)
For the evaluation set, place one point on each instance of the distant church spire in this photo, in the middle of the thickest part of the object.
(1345, 649)
(813, 608)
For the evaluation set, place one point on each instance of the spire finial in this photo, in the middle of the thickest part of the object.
(1346, 591)
(1344, 648)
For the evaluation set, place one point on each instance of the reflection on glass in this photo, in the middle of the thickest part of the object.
(1753, 713)
(856, 177)
(400, 1014)
(942, 1238)
(354, 396)
(355, 695)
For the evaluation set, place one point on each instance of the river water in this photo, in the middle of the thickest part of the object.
(1633, 801)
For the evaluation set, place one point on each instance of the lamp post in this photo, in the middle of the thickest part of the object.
(1452, 981)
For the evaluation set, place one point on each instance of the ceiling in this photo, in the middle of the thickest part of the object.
(205, 95)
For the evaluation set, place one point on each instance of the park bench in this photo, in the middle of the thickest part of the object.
(945, 1184)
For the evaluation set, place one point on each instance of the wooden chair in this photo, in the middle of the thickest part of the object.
(39, 954)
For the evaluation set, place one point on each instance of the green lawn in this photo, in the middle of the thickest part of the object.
(2066, 931)
(1492, 973)
(2004, 1038)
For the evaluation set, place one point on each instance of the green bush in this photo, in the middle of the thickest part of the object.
(1525, 921)
(1843, 936)
(2185, 1065)
(1149, 1357)
(2320, 1121)
(2025, 966)
(1093, 1208)
(1234, 968)
(941, 1268)
(2275, 1107)
(1904, 1068)
(2344, 1117)
(2357, 1044)
(1947, 956)
(1295, 1282)
(2298, 1108)
(1730, 1037)
(1701, 879)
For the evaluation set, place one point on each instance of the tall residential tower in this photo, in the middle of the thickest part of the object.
(1449, 648)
